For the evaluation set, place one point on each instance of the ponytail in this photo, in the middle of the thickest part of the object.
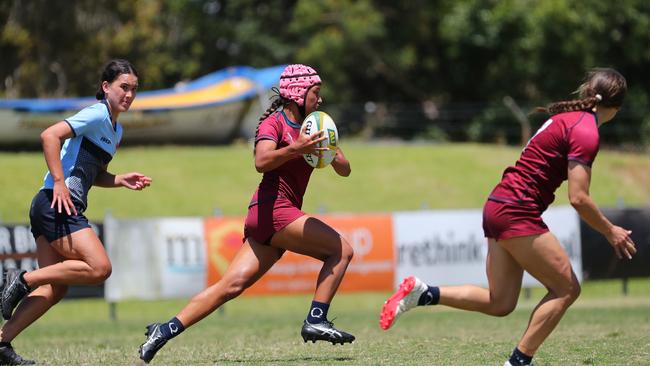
(602, 86)
(277, 103)
(571, 105)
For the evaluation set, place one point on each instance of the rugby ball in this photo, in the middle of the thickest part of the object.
(321, 121)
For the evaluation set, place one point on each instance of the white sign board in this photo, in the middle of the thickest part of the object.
(155, 258)
(449, 248)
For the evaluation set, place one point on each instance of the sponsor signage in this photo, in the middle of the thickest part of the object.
(371, 269)
(155, 258)
(449, 248)
(18, 250)
(182, 256)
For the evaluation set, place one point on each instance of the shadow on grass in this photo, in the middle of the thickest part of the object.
(282, 361)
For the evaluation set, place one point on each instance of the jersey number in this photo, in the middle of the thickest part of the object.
(544, 126)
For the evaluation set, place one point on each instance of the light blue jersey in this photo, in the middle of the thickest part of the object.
(85, 154)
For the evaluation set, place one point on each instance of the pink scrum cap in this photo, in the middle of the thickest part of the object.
(296, 80)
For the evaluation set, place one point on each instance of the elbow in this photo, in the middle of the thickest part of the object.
(578, 200)
(45, 136)
(48, 136)
(262, 162)
(342, 169)
(260, 167)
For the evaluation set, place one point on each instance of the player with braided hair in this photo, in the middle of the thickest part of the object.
(275, 221)
(564, 148)
(278, 102)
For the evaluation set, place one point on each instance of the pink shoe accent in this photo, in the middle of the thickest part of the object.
(390, 306)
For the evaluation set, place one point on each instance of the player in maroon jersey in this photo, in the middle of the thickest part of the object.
(564, 148)
(275, 221)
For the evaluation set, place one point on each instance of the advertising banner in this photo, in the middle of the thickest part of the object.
(449, 248)
(372, 267)
(155, 258)
(18, 250)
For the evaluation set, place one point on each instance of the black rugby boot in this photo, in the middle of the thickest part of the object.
(14, 290)
(324, 331)
(9, 357)
(155, 341)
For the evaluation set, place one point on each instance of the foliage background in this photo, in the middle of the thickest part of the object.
(422, 69)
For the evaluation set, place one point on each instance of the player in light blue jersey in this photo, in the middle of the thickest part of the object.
(69, 252)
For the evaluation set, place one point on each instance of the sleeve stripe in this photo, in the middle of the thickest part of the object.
(74, 133)
(579, 160)
(266, 137)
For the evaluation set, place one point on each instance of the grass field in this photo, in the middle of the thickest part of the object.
(602, 328)
(194, 181)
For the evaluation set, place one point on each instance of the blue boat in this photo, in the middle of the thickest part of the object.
(215, 108)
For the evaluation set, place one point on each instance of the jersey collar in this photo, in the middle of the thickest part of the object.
(105, 102)
(288, 121)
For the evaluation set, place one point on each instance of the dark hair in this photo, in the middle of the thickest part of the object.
(112, 70)
(601, 86)
(277, 103)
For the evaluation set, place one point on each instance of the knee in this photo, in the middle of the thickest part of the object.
(340, 254)
(347, 252)
(100, 272)
(573, 292)
(569, 292)
(234, 287)
(504, 308)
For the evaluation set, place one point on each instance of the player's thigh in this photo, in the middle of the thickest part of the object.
(251, 262)
(504, 273)
(312, 237)
(45, 253)
(47, 256)
(83, 245)
(544, 258)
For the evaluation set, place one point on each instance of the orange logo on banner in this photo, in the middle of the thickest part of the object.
(371, 269)
(223, 238)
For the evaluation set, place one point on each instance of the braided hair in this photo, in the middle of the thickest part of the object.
(278, 101)
(571, 105)
(602, 86)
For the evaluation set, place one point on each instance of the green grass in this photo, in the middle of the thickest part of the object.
(194, 181)
(602, 328)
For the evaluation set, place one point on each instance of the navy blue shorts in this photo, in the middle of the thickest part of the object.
(51, 224)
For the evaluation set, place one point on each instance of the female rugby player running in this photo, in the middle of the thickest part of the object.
(518, 240)
(77, 152)
(275, 221)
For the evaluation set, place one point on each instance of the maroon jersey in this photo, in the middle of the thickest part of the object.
(543, 163)
(290, 179)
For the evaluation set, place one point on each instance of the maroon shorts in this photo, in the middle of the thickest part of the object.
(267, 218)
(506, 220)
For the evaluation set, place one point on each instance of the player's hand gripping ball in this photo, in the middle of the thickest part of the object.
(321, 121)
